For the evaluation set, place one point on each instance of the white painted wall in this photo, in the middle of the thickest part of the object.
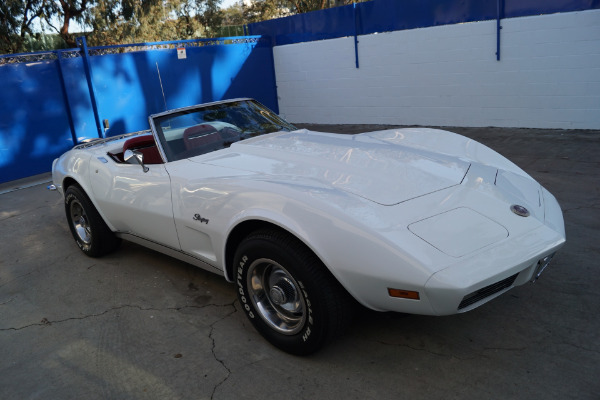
(548, 75)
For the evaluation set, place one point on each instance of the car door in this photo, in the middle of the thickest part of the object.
(134, 201)
(200, 207)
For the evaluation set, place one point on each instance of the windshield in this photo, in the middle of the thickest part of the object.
(195, 131)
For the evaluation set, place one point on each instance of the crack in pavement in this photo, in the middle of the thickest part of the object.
(212, 327)
(45, 321)
(222, 362)
(580, 347)
(503, 349)
(7, 301)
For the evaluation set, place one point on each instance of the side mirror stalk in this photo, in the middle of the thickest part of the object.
(138, 156)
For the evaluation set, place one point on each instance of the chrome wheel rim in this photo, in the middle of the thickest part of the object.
(276, 296)
(80, 222)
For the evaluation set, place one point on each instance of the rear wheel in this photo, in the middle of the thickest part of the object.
(288, 294)
(89, 230)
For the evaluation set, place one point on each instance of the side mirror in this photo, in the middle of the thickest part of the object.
(137, 156)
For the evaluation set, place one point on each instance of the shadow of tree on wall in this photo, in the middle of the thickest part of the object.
(34, 126)
(256, 77)
(132, 86)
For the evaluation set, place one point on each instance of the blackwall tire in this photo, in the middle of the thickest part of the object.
(89, 230)
(290, 297)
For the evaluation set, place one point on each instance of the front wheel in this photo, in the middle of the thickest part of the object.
(89, 230)
(288, 294)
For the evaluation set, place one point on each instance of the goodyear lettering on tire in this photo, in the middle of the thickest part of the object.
(243, 297)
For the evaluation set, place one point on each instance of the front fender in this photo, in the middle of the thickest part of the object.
(74, 165)
(364, 261)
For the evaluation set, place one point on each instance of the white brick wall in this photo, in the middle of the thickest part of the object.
(548, 75)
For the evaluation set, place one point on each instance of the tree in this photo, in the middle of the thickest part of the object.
(260, 10)
(209, 15)
(126, 21)
(134, 21)
(303, 6)
(66, 10)
(110, 22)
(233, 15)
(16, 18)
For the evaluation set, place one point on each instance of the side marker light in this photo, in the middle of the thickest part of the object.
(403, 294)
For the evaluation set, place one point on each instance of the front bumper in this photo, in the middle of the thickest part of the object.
(476, 280)
(468, 280)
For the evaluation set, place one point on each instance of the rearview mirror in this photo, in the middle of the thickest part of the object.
(215, 115)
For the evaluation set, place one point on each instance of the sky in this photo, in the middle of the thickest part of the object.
(228, 3)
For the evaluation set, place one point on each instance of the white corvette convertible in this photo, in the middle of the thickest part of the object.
(411, 220)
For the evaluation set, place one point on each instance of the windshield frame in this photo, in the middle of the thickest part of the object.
(171, 149)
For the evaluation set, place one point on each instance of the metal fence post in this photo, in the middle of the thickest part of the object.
(63, 86)
(355, 35)
(88, 74)
(498, 27)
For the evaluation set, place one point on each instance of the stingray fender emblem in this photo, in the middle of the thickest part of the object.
(197, 217)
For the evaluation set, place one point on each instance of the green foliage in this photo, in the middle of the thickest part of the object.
(134, 21)
(43, 42)
(23, 23)
(107, 22)
(261, 10)
(230, 30)
(65, 11)
(233, 15)
(16, 18)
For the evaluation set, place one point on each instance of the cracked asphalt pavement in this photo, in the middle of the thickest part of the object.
(140, 325)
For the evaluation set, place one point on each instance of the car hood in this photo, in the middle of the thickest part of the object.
(366, 165)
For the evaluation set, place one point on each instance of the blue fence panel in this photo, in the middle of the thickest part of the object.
(45, 105)
(255, 77)
(128, 89)
(129, 86)
(411, 14)
(78, 95)
(392, 15)
(34, 127)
